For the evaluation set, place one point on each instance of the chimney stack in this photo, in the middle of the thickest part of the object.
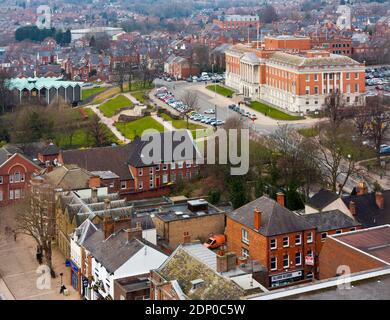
(257, 218)
(280, 198)
(107, 204)
(108, 227)
(379, 199)
(94, 182)
(226, 261)
(352, 207)
(134, 233)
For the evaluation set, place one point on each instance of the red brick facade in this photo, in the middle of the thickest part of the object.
(335, 254)
(15, 175)
(258, 247)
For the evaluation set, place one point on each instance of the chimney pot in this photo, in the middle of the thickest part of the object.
(379, 199)
(94, 195)
(257, 218)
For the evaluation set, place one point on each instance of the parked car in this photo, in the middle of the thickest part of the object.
(209, 111)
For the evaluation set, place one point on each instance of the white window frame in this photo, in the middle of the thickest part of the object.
(339, 231)
(310, 237)
(1, 180)
(288, 242)
(17, 174)
(11, 194)
(300, 239)
(17, 194)
(275, 244)
(1, 195)
(353, 229)
(288, 261)
(244, 236)
(123, 185)
(140, 185)
(151, 170)
(165, 166)
(347, 76)
(140, 172)
(322, 236)
(245, 253)
(188, 164)
(165, 178)
(157, 167)
(300, 258)
(180, 165)
(276, 264)
(173, 166)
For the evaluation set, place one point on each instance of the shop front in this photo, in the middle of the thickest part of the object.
(75, 276)
(286, 278)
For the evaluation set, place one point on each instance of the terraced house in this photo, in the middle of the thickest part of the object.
(287, 73)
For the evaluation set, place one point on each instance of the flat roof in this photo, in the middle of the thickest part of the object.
(180, 211)
(372, 241)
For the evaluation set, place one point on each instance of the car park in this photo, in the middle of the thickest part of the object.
(209, 111)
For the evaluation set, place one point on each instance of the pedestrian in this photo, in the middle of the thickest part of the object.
(15, 235)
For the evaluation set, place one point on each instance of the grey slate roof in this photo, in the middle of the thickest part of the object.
(322, 198)
(275, 219)
(114, 251)
(330, 220)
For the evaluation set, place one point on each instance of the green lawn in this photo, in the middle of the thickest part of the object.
(137, 85)
(272, 112)
(90, 91)
(182, 124)
(135, 128)
(81, 139)
(221, 90)
(110, 107)
(139, 95)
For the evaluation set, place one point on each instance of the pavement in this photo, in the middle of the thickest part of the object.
(110, 122)
(19, 273)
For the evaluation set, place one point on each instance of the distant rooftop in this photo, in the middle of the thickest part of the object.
(39, 83)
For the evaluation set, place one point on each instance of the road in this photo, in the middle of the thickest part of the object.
(210, 100)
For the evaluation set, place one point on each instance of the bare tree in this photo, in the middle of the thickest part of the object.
(191, 99)
(332, 158)
(36, 218)
(361, 120)
(120, 74)
(378, 124)
(334, 105)
(96, 130)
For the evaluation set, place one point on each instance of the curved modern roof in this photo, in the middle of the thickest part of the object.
(39, 83)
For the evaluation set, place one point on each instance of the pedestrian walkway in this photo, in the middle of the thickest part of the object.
(20, 275)
(167, 124)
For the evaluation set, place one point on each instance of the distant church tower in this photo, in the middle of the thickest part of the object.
(44, 17)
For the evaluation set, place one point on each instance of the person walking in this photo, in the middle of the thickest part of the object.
(15, 235)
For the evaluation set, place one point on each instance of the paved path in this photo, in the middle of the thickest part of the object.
(110, 122)
(18, 266)
(167, 124)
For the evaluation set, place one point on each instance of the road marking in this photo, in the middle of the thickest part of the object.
(36, 295)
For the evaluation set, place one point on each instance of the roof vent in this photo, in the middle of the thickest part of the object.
(197, 283)
(179, 213)
(186, 216)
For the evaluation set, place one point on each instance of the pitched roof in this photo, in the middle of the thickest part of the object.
(114, 251)
(186, 265)
(367, 211)
(275, 219)
(112, 158)
(322, 198)
(69, 177)
(330, 220)
(51, 150)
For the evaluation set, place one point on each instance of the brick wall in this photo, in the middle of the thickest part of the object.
(335, 254)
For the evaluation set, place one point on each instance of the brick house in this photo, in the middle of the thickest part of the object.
(194, 219)
(16, 171)
(180, 67)
(138, 179)
(265, 231)
(355, 251)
